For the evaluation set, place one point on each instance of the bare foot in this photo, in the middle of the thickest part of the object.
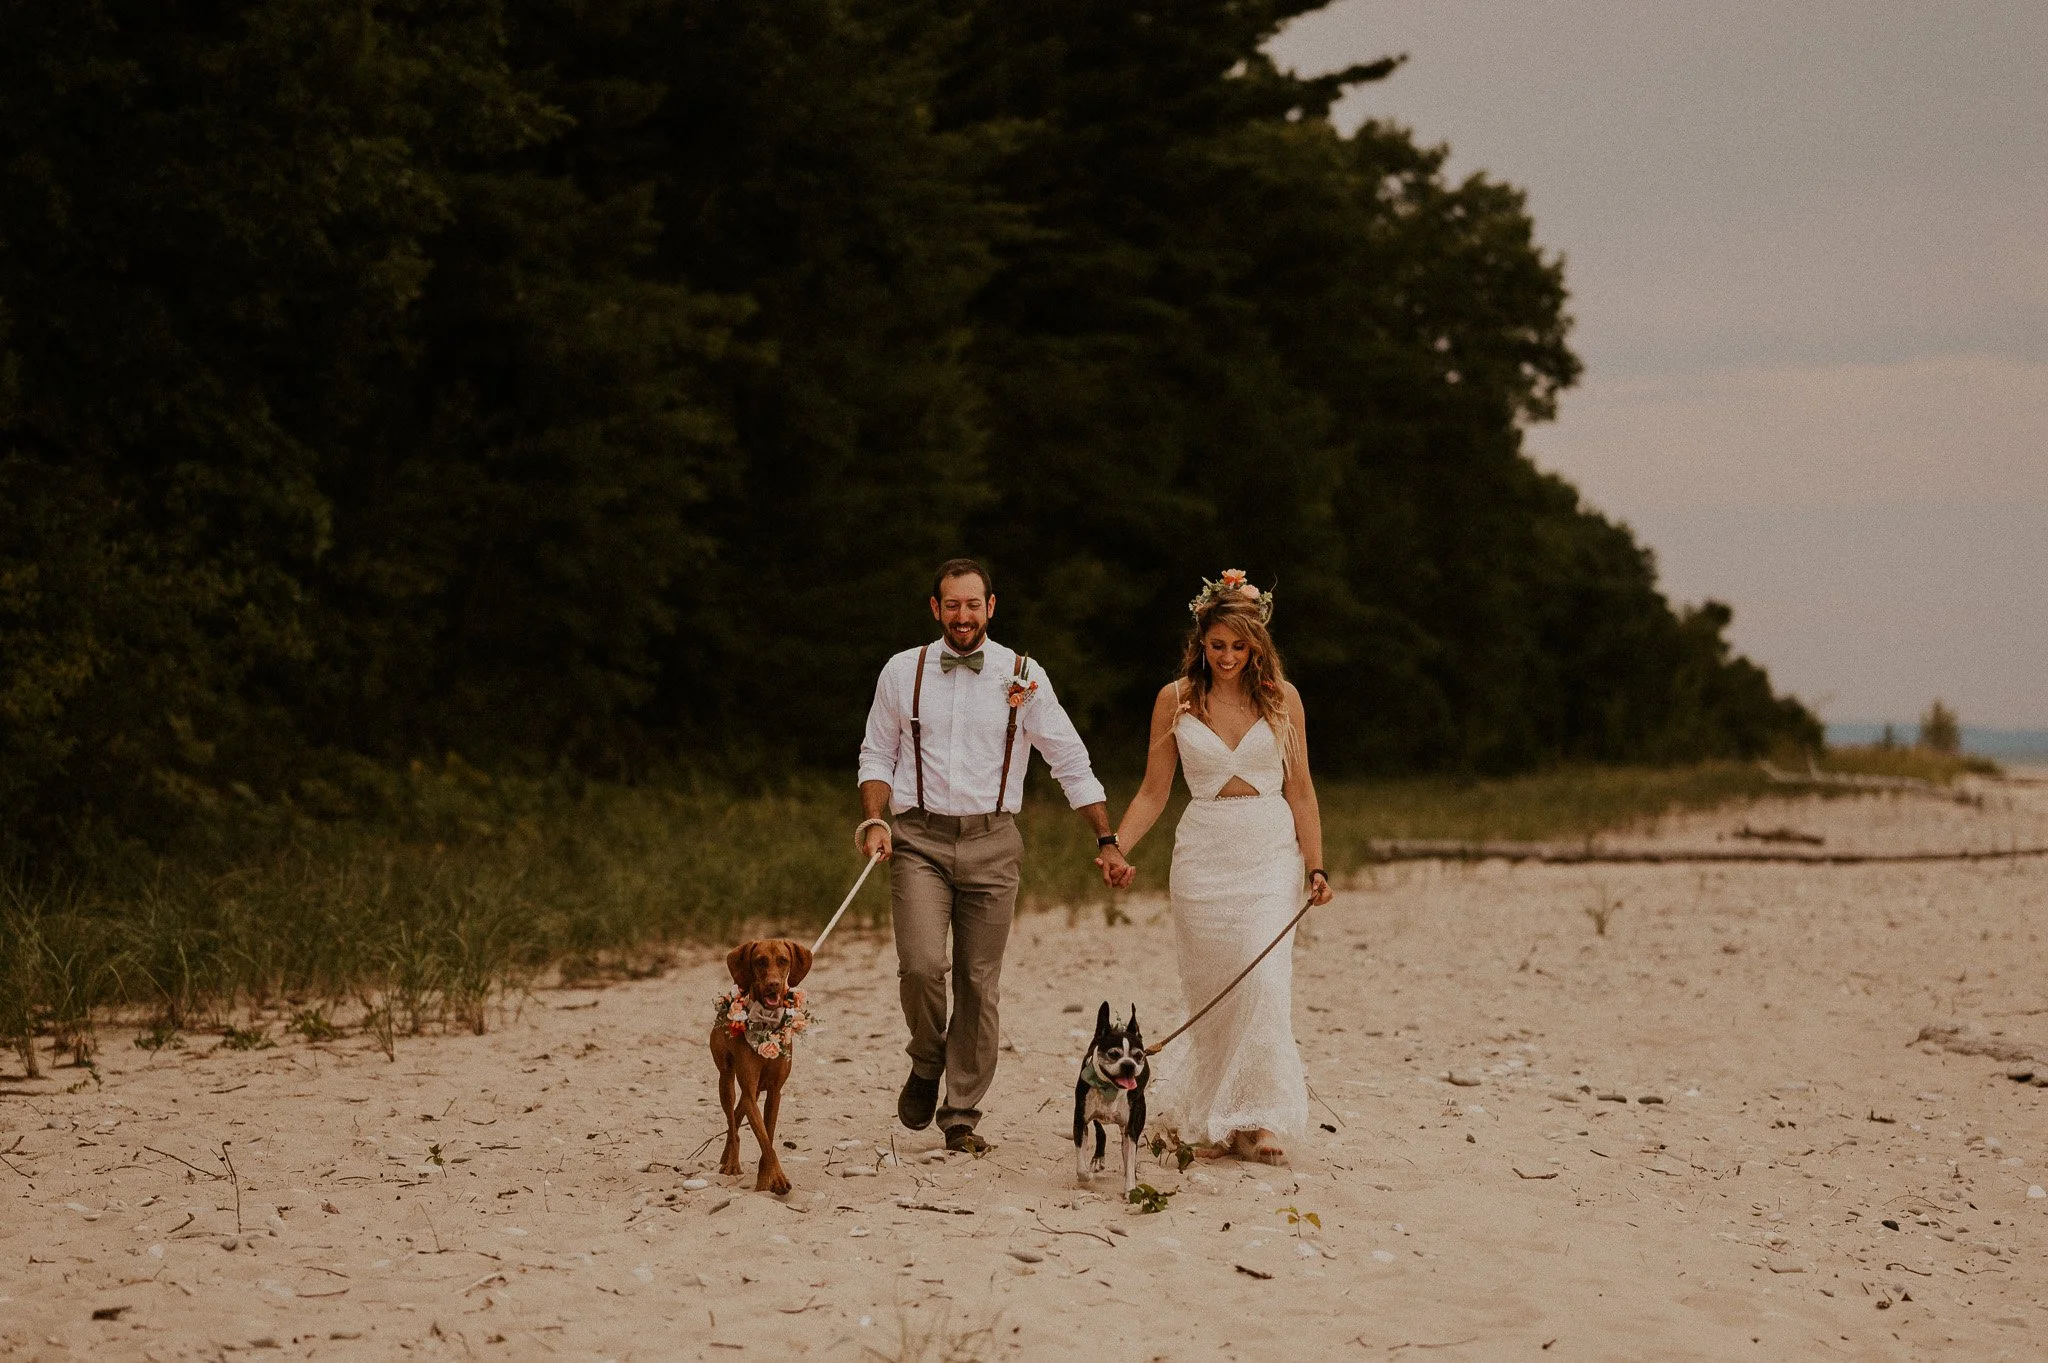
(1216, 1150)
(1265, 1148)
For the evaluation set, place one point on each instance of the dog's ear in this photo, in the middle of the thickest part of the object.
(1131, 1027)
(737, 962)
(799, 962)
(1102, 1020)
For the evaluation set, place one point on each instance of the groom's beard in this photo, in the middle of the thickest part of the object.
(969, 644)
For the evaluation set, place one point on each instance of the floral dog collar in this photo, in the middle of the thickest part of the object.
(772, 1034)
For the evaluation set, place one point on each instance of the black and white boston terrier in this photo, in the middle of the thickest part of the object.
(1111, 1091)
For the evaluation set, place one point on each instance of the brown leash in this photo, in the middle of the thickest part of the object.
(1158, 1046)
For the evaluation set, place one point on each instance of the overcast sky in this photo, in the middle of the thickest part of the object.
(1807, 245)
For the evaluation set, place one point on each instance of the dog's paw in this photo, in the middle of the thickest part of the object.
(777, 1183)
(1096, 1166)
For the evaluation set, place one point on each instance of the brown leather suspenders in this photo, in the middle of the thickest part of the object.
(917, 727)
(1010, 735)
(916, 723)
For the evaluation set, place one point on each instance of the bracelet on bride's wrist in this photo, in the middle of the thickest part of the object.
(1319, 871)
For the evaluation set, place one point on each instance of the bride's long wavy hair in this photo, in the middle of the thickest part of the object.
(1264, 676)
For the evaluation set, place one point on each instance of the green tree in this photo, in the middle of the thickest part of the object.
(1939, 729)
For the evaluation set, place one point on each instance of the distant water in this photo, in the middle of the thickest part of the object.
(2000, 744)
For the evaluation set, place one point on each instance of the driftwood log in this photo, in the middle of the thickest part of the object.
(2023, 1060)
(1447, 849)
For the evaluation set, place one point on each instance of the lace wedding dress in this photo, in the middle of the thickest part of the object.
(1237, 879)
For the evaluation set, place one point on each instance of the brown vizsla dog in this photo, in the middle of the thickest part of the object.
(766, 971)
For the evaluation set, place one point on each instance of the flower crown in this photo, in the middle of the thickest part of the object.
(1233, 584)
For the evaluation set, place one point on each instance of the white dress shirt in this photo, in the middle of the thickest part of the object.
(965, 715)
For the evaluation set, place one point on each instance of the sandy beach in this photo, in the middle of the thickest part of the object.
(1706, 1133)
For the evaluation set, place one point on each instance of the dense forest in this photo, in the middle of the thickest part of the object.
(591, 385)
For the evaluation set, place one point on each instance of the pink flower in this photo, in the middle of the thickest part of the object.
(797, 1024)
(796, 996)
(1248, 592)
(769, 1050)
(737, 1012)
(1233, 577)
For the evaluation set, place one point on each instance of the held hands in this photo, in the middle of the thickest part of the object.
(1116, 872)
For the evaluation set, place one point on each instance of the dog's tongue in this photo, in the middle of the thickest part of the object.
(1124, 1083)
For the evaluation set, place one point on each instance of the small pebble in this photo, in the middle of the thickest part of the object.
(693, 1184)
(2037, 1191)
(1384, 1256)
(1027, 1256)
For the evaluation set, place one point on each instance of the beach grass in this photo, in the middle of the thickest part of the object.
(470, 889)
(1912, 762)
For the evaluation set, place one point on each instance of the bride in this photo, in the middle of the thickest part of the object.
(1235, 725)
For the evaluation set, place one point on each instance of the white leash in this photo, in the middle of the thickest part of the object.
(841, 911)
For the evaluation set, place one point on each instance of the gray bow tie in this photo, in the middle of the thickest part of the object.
(949, 661)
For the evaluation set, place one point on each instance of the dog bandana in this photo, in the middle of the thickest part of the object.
(772, 1032)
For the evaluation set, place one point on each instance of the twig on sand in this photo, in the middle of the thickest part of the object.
(1057, 1231)
(1445, 1344)
(236, 1179)
(187, 1163)
(1326, 1107)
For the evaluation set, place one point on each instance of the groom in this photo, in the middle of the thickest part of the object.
(947, 743)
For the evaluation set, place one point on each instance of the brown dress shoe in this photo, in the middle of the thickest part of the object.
(918, 1101)
(963, 1138)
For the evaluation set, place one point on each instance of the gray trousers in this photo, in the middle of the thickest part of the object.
(958, 876)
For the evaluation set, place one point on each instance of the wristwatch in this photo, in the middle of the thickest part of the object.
(1109, 840)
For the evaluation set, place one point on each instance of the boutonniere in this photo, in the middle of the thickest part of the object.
(1021, 689)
